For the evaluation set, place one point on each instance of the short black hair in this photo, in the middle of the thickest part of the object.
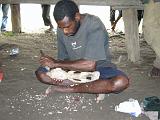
(65, 8)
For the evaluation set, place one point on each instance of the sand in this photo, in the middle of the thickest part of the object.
(21, 95)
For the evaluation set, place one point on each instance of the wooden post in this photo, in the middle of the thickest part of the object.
(131, 34)
(16, 18)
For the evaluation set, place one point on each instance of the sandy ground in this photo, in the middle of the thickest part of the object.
(21, 95)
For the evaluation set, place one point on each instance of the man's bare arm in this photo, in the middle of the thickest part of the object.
(77, 65)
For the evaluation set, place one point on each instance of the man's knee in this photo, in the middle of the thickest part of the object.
(42, 77)
(39, 75)
(120, 83)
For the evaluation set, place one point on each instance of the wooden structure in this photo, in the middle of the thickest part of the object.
(80, 2)
(129, 8)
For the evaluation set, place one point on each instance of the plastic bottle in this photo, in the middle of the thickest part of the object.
(14, 51)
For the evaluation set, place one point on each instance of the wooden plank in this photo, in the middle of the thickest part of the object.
(131, 34)
(81, 2)
(110, 2)
(126, 7)
(16, 18)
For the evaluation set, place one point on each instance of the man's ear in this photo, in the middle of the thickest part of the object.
(77, 16)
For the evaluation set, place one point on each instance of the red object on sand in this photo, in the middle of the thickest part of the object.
(1, 75)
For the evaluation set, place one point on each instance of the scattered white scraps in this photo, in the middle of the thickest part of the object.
(33, 103)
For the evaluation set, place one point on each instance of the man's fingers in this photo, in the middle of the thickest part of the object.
(57, 80)
(44, 60)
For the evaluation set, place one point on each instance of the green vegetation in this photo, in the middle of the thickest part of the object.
(8, 33)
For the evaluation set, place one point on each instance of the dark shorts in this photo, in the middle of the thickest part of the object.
(109, 72)
(105, 72)
(42, 69)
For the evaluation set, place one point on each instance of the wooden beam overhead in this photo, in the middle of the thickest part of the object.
(81, 2)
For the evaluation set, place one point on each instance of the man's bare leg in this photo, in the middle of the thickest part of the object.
(42, 77)
(49, 30)
(114, 85)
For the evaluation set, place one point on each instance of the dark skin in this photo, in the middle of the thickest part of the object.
(113, 85)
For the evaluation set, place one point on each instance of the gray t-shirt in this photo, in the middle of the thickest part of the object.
(90, 42)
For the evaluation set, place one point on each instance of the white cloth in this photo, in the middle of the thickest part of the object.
(80, 77)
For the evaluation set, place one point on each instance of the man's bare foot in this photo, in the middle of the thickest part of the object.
(155, 72)
(49, 30)
(44, 78)
(99, 97)
(63, 89)
(49, 90)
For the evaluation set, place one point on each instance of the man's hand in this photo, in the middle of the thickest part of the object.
(48, 61)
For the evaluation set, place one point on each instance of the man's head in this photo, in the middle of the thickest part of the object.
(67, 16)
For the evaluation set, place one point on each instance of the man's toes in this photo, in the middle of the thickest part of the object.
(49, 90)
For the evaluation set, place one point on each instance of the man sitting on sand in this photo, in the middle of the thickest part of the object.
(82, 46)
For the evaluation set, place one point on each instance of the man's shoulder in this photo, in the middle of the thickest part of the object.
(92, 21)
(92, 17)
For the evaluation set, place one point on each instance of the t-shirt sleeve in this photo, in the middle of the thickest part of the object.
(62, 52)
(97, 41)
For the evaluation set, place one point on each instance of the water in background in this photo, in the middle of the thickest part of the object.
(32, 22)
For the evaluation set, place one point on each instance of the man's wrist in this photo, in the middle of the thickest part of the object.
(56, 65)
